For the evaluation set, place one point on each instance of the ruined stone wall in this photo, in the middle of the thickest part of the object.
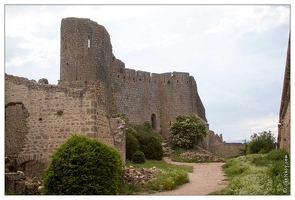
(214, 143)
(227, 150)
(39, 117)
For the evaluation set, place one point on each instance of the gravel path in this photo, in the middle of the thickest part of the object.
(206, 178)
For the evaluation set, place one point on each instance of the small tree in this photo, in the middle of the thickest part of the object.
(187, 131)
(262, 142)
(83, 166)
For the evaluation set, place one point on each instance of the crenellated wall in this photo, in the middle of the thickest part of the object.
(143, 94)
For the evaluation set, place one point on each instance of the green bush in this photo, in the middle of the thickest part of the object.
(132, 144)
(150, 146)
(146, 129)
(263, 142)
(279, 154)
(149, 142)
(138, 157)
(83, 166)
(187, 131)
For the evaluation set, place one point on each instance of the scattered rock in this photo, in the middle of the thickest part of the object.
(202, 155)
(139, 176)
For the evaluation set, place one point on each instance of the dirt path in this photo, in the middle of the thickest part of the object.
(206, 178)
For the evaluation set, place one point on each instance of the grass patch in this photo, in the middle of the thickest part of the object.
(172, 177)
(161, 164)
(169, 180)
(258, 174)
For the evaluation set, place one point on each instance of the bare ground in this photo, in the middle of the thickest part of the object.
(206, 178)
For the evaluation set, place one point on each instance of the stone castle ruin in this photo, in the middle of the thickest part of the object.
(93, 86)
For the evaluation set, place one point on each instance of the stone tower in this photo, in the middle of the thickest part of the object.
(86, 57)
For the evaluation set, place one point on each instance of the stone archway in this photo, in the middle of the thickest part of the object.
(154, 121)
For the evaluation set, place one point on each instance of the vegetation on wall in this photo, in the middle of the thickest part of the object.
(123, 116)
(187, 131)
(83, 166)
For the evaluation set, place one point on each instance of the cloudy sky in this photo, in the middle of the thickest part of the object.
(236, 53)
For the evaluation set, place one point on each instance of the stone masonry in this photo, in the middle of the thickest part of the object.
(284, 126)
(39, 117)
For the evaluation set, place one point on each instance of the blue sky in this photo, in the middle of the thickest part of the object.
(236, 53)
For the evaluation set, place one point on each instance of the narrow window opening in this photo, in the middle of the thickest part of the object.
(154, 121)
(88, 42)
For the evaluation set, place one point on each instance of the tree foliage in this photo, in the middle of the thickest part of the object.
(262, 142)
(83, 166)
(187, 131)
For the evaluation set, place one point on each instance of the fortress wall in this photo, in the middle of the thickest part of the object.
(87, 59)
(140, 94)
(39, 117)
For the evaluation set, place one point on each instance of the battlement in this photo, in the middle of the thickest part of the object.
(148, 77)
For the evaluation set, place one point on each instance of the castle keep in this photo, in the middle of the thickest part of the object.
(87, 59)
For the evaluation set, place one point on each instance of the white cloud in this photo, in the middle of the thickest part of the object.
(240, 19)
(257, 124)
(141, 45)
(189, 21)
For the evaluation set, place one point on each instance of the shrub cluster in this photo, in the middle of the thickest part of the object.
(149, 142)
(83, 166)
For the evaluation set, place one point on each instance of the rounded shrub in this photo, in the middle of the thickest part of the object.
(138, 157)
(83, 166)
(132, 144)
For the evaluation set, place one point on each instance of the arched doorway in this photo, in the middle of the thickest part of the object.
(154, 121)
